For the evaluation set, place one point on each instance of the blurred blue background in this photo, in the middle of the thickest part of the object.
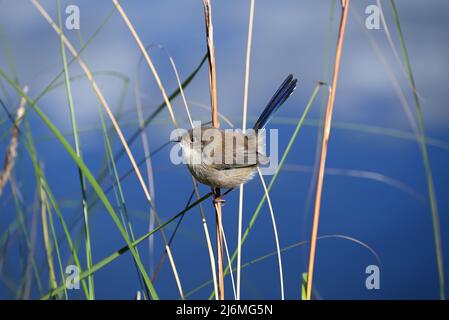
(375, 189)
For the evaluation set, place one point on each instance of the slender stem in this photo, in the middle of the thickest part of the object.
(45, 233)
(98, 92)
(255, 215)
(147, 58)
(172, 116)
(149, 167)
(211, 56)
(78, 153)
(72, 152)
(290, 247)
(427, 167)
(275, 229)
(130, 246)
(219, 222)
(215, 124)
(228, 257)
(326, 134)
(245, 110)
(11, 152)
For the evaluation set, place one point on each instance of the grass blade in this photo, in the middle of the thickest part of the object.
(78, 153)
(95, 185)
(130, 246)
(427, 167)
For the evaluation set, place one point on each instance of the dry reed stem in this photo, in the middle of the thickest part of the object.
(97, 91)
(11, 152)
(150, 175)
(325, 141)
(178, 80)
(153, 212)
(211, 55)
(195, 185)
(147, 59)
(215, 124)
(105, 105)
(168, 104)
(172, 115)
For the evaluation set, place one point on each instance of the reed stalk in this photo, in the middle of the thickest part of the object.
(213, 94)
(324, 144)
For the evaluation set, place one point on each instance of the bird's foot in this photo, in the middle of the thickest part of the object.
(219, 201)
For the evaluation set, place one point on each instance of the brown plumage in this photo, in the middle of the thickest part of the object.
(222, 164)
(226, 159)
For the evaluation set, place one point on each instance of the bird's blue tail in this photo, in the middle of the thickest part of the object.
(284, 91)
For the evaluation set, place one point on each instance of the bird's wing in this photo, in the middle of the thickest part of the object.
(239, 150)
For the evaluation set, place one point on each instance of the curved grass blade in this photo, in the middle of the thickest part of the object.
(427, 167)
(95, 185)
(288, 248)
(130, 246)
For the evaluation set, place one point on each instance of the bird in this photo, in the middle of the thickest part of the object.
(238, 153)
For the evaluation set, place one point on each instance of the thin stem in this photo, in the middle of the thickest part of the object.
(150, 176)
(245, 110)
(78, 153)
(255, 215)
(47, 245)
(427, 167)
(11, 152)
(111, 116)
(129, 246)
(168, 104)
(276, 237)
(228, 257)
(147, 58)
(326, 134)
(215, 124)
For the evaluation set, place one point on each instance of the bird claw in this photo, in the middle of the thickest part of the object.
(219, 201)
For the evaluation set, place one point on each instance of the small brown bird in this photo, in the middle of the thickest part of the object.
(227, 158)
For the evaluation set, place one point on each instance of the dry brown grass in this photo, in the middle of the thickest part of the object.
(11, 151)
